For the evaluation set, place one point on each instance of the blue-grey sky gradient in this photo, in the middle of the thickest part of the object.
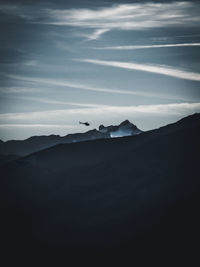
(96, 61)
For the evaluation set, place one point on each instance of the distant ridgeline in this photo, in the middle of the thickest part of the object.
(36, 143)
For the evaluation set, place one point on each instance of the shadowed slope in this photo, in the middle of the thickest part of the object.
(135, 192)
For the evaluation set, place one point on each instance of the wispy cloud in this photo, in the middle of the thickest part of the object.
(37, 125)
(133, 47)
(81, 86)
(128, 16)
(95, 35)
(59, 116)
(31, 63)
(17, 10)
(18, 89)
(120, 16)
(58, 102)
(164, 70)
(70, 84)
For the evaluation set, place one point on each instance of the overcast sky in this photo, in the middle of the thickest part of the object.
(96, 61)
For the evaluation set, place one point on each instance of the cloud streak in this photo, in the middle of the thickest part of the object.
(128, 16)
(72, 85)
(163, 70)
(37, 125)
(136, 16)
(96, 34)
(58, 102)
(18, 90)
(81, 86)
(133, 47)
(61, 115)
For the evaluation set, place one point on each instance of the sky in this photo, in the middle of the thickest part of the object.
(62, 62)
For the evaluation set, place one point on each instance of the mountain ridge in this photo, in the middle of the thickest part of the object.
(108, 148)
(139, 193)
(185, 122)
(36, 143)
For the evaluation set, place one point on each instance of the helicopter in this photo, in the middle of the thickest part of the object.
(85, 123)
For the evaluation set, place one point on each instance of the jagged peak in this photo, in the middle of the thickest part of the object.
(125, 123)
(101, 127)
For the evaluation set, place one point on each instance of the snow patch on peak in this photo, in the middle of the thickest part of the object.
(126, 128)
(120, 133)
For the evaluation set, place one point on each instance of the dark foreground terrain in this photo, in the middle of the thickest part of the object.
(129, 195)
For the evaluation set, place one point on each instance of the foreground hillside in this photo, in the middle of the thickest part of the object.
(132, 194)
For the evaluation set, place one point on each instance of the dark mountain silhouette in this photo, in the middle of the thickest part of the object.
(36, 143)
(132, 195)
(6, 158)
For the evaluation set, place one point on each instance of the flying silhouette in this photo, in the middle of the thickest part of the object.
(85, 123)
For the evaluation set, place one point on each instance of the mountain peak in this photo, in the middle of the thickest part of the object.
(126, 122)
(125, 128)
